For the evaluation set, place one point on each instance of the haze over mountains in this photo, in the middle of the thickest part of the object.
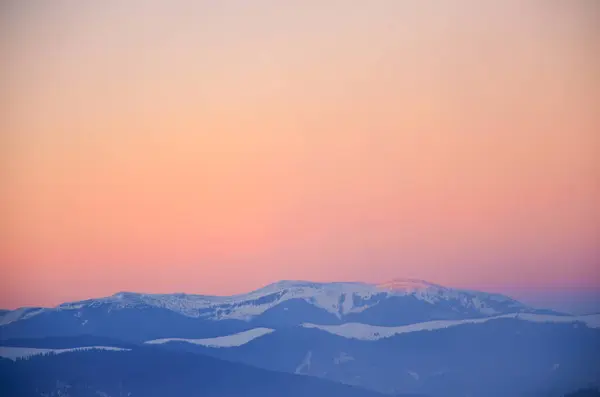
(211, 147)
(404, 336)
(155, 373)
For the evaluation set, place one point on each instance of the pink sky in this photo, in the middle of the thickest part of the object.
(210, 148)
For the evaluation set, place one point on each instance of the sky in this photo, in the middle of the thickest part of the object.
(217, 146)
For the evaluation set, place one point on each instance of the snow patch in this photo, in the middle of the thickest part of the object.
(14, 353)
(343, 358)
(234, 340)
(305, 364)
(372, 332)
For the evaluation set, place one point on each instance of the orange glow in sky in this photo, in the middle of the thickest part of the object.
(214, 147)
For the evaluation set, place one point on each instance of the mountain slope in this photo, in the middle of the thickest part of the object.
(584, 393)
(498, 357)
(152, 372)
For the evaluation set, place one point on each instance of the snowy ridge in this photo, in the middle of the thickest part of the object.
(14, 353)
(234, 340)
(407, 285)
(372, 332)
(337, 298)
(19, 314)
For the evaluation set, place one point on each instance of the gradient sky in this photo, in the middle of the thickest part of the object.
(217, 146)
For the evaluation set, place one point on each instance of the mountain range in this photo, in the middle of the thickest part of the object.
(404, 336)
(139, 317)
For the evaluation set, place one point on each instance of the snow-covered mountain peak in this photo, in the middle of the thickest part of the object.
(408, 285)
(124, 295)
(300, 284)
